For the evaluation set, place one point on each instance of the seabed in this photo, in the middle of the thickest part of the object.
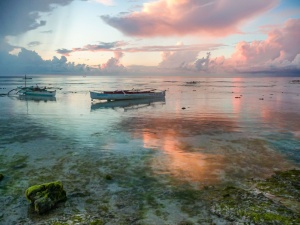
(123, 188)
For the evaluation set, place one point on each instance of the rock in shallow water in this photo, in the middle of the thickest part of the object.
(45, 196)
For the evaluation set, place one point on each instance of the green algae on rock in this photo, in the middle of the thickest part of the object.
(284, 184)
(236, 204)
(272, 201)
(45, 196)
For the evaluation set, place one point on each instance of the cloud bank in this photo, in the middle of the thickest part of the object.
(280, 51)
(113, 65)
(279, 54)
(101, 47)
(125, 47)
(183, 17)
(31, 63)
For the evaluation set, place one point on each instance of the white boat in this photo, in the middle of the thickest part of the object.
(126, 94)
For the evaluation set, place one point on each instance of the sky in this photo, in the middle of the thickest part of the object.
(150, 37)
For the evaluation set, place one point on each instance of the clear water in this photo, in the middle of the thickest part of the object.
(214, 131)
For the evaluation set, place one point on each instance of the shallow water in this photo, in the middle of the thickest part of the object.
(214, 131)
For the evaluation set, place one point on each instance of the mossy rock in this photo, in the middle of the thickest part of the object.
(45, 196)
(1, 176)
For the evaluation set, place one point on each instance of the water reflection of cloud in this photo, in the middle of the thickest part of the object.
(180, 158)
(208, 125)
(288, 121)
(204, 150)
(182, 161)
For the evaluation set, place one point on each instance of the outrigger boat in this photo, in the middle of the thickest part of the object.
(126, 94)
(37, 91)
(34, 91)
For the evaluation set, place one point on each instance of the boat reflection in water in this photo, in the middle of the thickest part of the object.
(128, 104)
(36, 98)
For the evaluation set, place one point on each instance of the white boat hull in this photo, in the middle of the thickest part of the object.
(126, 96)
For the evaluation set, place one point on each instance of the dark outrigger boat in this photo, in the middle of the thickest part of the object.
(33, 91)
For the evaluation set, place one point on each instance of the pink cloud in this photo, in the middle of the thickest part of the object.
(101, 47)
(120, 46)
(279, 49)
(118, 54)
(113, 65)
(182, 17)
(279, 52)
(178, 59)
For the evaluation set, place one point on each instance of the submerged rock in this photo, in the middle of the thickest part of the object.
(108, 177)
(1, 176)
(45, 196)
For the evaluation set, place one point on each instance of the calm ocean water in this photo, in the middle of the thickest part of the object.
(213, 131)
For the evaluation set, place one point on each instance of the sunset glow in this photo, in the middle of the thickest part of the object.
(179, 162)
(141, 37)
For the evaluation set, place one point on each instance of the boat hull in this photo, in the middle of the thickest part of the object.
(39, 93)
(125, 96)
(36, 98)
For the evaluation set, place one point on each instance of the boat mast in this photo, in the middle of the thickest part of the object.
(25, 80)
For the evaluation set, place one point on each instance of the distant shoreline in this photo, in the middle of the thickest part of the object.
(153, 75)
